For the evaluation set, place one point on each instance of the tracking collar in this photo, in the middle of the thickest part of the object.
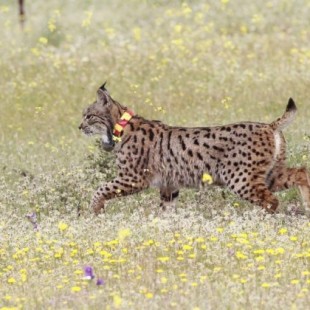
(120, 125)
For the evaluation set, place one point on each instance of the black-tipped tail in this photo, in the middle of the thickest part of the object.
(291, 106)
(286, 118)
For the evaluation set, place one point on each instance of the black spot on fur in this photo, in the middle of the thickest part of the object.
(217, 148)
(182, 142)
(169, 140)
(143, 130)
(151, 134)
(161, 136)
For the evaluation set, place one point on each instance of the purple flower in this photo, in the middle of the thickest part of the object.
(32, 217)
(88, 273)
(100, 281)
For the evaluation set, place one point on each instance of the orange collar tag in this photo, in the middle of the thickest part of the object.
(120, 125)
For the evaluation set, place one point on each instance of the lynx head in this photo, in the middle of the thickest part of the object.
(98, 118)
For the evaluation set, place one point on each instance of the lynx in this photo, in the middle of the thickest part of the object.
(246, 157)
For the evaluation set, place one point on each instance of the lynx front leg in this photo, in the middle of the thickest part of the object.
(283, 178)
(116, 188)
(168, 197)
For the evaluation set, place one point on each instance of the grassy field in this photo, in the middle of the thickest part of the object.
(195, 63)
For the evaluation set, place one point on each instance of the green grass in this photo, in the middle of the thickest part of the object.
(189, 64)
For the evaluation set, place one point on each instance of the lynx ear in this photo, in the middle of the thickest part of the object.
(102, 87)
(102, 95)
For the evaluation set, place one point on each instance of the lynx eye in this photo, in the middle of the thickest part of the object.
(88, 116)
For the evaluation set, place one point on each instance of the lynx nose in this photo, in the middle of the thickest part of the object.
(81, 126)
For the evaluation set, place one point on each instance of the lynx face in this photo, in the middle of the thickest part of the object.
(247, 157)
(97, 120)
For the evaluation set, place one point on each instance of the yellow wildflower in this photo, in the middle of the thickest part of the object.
(62, 226)
(282, 231)
(240, 255)
(75, 289)
(124, 233)
(149, 295)
(136, 31)
(23, 275)
(11, 280)
(207, 178)
(200, 240)
(163, 259)
(117, 300)
(87, 21)
(43, 40)
(187, 247)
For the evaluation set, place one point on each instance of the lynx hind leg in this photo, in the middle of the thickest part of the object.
(252, 187)
(168, 197)
(259, 194)
(283, 177)
(262, 196)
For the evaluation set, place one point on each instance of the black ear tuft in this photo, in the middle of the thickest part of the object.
(103, 95)
(102, 87)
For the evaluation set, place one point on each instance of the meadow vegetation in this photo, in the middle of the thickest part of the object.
(195, 63)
